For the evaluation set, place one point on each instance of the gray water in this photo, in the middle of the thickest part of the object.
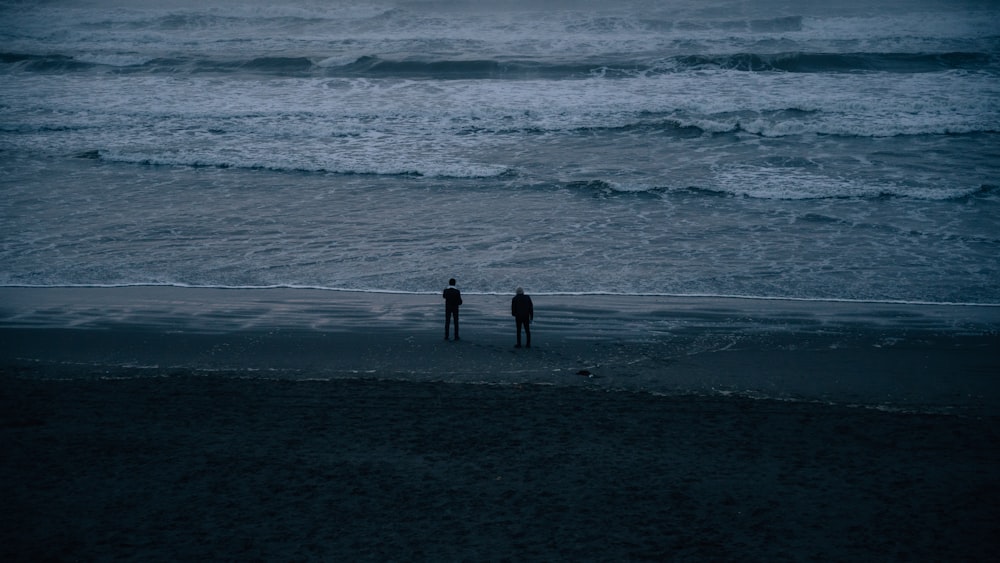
(814, 150)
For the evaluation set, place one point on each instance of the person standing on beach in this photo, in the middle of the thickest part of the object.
(524, 312)
(452, 300)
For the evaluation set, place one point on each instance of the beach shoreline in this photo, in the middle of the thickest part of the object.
(902, 356)
(162, 424)
(760, 239)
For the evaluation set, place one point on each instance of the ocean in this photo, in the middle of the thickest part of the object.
(808, 150)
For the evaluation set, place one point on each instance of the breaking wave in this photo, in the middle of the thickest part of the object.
(444, 69)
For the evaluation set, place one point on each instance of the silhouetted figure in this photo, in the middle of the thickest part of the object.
(452, 300)
(524, 312)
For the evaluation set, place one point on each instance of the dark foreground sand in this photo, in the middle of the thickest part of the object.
(157, 424)
(233, 469)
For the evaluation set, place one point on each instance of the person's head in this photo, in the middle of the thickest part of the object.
(451, 281)
(520, 291)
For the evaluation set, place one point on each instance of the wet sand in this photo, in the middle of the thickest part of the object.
(175, 424)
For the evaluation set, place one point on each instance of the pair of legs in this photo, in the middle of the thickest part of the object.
(526, 323)
(447, 323)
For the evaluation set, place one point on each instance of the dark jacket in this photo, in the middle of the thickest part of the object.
(522, 308)
(452, 299)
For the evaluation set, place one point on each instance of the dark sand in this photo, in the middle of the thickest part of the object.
(174, 424)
